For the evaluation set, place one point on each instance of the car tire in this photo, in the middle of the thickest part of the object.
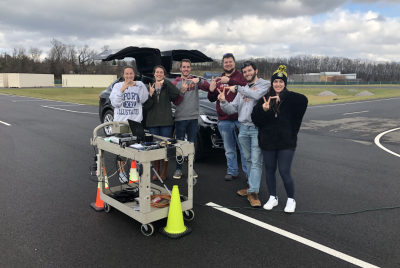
(108, 117)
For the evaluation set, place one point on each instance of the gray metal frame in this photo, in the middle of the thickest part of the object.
(147, 214)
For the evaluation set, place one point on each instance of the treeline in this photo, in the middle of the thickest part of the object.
(366, 70)
(61, 59)
(65, 59)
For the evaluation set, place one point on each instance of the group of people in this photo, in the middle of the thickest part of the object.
(267, 115)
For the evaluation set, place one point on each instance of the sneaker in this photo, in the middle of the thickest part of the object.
(177, 174)
(229, 177)
(272, 202)
(243, 192)
(123, 178)
(290, 205)
(254, 201)
(195, 174)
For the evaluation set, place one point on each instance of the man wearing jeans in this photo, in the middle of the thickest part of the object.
(228, 123)
(243, 105)
(187, 111)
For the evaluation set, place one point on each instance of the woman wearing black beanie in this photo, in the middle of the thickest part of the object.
(278, 116)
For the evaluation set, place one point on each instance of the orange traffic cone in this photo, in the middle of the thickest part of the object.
(133, 174)
(99, 204)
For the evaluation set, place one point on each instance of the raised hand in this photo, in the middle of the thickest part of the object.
(266, 104)
(128, 83)
(231, 89)
(213, 84)
(184, 85)
(224, 79)
(194, 80)
(221, 95)
(151, 89)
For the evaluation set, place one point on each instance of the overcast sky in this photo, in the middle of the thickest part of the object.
(367, 29)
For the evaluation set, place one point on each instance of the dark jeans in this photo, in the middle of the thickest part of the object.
(164, 131)
(283, 159)
(188, 127)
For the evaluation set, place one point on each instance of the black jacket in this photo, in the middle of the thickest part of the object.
(280, 131)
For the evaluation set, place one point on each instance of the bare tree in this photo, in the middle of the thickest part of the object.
(35, 53)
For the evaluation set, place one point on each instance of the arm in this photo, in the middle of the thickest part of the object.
(212, 96)
(204, 85)
(116, 96)
(143, 93)
(148, 105)
(237, 80)
(298, 104)
(178, 99)
(260, 117)
(231, 107)
(261, 90)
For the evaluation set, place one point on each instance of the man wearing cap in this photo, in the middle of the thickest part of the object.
(248, 136)
(228, 123)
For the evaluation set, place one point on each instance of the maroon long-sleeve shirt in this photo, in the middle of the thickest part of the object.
(236, 78)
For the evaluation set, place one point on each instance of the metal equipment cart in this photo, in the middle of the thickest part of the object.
(147, 214)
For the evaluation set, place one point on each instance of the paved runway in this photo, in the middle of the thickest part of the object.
(46, 219)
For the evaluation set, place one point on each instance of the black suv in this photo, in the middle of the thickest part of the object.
(208, 136)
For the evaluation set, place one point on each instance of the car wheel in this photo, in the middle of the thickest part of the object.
(108, 117)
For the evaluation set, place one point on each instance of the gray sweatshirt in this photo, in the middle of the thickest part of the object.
(245, 100)
(189, 107)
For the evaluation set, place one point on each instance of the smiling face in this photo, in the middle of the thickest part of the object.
(129, 75)
(159, 74)
(249, 74)
(278, 85)
(229, 65)
(185, 69)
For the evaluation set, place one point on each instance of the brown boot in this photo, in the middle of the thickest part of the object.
(164, 172)
(157, 168)
(243, 192)
(254, 201)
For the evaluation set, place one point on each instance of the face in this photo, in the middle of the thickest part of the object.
(229, 65)
(278, 85)
(185, 69)
(159, 74)
(249, 73)
(129, 75)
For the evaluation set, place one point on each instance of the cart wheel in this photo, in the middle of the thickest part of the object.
(107, 207)
(188, 215)
(147, 229)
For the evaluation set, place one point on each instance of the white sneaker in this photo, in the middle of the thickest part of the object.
(272, 202)
(290, 205)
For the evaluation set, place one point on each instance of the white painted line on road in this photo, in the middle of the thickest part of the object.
(5, 123)
(357, 112)
(29, 100)
(297, 238)
(67, 104)
(377, 138)
(351, 103)
(67, 110)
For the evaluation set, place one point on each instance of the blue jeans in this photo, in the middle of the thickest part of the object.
(181, 128)
(252, 152)
(163, 131)
(227, 130)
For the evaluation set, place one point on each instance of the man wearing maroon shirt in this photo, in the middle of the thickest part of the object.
(227, 124)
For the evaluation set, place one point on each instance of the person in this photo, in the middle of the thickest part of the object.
(187, 111)
(278, 116)
(243, 105)
(159, 118)
(228, 123)
(127, 97)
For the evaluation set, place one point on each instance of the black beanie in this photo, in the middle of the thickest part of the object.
(280, 74)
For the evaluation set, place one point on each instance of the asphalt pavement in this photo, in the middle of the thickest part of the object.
(46, 219)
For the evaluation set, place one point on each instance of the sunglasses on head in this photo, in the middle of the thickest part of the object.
(227, 54)
(246, 63)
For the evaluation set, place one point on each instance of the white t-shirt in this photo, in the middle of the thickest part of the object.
(128, 105)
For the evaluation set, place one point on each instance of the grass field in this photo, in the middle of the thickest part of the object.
(90, 96)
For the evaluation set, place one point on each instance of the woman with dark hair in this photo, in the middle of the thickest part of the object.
(278, 115)
(159, 113)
